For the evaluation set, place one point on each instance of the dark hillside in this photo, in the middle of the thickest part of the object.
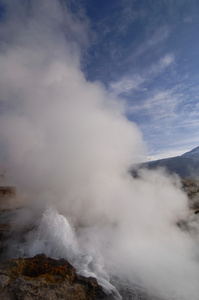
(186, 166)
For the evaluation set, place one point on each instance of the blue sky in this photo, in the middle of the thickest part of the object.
(146, 52)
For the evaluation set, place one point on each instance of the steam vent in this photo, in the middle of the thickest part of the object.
(38, 277)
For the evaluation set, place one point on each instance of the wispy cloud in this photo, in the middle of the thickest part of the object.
(126, 84)
(163, 63)
(162, 106)
(129, 14)
(159, 35)
(134, 81)
(188, 19)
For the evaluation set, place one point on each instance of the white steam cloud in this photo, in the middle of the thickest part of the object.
(67, 146)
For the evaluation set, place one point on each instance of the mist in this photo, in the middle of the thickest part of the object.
(67, 145)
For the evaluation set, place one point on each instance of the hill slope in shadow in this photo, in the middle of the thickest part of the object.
(186, 165)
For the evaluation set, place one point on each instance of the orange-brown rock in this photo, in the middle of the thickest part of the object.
(45, 278)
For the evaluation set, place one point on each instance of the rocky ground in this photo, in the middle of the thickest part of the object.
(191, 187)
(45, 278)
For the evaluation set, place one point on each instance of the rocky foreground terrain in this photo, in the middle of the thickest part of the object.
(41, 277)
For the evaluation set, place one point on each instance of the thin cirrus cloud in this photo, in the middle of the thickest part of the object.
(159, 36)
(162, 106)
(134, 82)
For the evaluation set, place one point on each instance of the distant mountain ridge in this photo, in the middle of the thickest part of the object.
(192, 154)
(186, 165)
